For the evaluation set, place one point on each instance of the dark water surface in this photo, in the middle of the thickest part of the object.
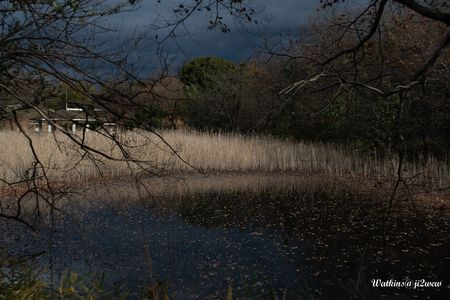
(284, 241)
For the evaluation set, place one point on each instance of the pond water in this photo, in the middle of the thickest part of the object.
(273, 238)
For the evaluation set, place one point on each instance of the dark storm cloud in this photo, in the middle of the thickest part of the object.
(289, 13)
(272, 16)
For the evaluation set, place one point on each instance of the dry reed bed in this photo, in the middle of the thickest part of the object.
(209, 152)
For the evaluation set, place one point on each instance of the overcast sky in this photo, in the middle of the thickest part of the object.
(237, 45)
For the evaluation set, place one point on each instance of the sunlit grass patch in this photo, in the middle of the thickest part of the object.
(190, 151)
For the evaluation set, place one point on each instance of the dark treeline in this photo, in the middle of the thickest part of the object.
(296, 91)
(290, 93)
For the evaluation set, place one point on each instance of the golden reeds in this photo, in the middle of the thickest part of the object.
(208, 152)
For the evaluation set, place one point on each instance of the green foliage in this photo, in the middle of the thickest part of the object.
(150, 116)
(74, 286)
(202, 73)
(19, 281)
(209, 85)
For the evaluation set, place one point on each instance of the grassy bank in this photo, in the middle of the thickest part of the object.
(209, 152)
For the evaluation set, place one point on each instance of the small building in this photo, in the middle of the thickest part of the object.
(74, 119)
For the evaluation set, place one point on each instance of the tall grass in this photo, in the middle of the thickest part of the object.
(208, 152)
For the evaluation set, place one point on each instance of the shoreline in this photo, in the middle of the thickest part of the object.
(367, 187)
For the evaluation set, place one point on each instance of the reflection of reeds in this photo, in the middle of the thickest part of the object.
(210, 152)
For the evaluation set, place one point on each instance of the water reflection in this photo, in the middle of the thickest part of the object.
(272, 233)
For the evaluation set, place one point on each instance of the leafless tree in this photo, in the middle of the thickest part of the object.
(46, 44)
(338, 61)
